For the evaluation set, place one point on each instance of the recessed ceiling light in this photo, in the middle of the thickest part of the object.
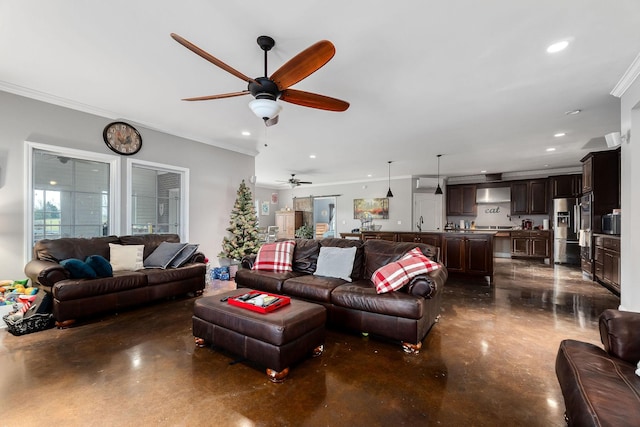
(53, 182)
(369, 175)
(551, 149)
(246, 133)
(312, 156)
(557, 47)
(483, 171)
(572, 112)
(546, 166)
(559, 134)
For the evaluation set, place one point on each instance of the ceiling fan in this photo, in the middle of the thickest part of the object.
(295, 182)
(266, 90)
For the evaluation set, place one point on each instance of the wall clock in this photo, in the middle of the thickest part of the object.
(122, 138)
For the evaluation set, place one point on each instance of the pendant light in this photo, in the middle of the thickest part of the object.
(438, 189)
(389, 193)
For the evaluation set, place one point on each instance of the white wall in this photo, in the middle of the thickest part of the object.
(630, 203)
(215, 173)
(262, 194)
(399, 205)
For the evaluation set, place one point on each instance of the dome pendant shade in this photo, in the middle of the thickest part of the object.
(265, 108)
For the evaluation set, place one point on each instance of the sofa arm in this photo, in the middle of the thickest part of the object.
(45, 273)
(197, 257)
(427, 285)
(247, 261)
(620, 334)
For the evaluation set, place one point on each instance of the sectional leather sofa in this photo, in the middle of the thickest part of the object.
(78, 298)
(600, 386)
(405, 315)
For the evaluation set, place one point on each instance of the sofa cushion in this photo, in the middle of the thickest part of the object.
(259, 280)
(311, 287)
(150, 241)
(395, 275)
(100, 265)
(162, 256)
(356, 272)
(126, 257)
(83, 288)
(56, 250)
(305, 255)
(275, 257)
(336, 262)
(362, 296)
(78, 269)
(184, 255)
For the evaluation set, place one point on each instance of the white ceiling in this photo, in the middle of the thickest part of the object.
(467, 79)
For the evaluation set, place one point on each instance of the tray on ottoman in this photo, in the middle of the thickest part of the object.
(276, 340)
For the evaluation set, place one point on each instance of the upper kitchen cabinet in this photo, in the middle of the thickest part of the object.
(461, 200)
(529, 197)
(565, 186)
(601, 175)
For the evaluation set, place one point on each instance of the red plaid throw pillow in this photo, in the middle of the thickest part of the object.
(275, 257)
(395, 275)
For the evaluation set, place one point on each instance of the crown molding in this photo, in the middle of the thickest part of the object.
(627, 79)
(85, 108)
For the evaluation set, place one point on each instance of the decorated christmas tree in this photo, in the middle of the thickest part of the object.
(243, 227)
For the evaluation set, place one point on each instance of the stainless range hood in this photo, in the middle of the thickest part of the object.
(493, 195)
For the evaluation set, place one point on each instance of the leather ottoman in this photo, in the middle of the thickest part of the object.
(275, 340)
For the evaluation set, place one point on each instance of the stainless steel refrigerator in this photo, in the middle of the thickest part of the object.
(566, 249)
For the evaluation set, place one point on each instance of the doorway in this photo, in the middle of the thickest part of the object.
(427, 212)
(324, 217)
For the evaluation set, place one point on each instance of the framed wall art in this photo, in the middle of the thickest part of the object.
(264, 210)
(274, 198)
(371, 208)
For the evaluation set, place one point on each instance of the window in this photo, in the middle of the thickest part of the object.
(72, 193)
(157, 195)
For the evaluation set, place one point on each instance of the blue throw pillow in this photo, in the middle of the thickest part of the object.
(184, 255)
(100, 265)
(78, 269)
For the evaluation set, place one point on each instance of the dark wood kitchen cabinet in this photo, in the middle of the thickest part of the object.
(607, 261)
(461, 200)
(427, 238)
(531, 244)
(565, 186)
(468, 254)
(529, 197)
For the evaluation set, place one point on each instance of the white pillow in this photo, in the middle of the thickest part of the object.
(336, 262)
(126, 257)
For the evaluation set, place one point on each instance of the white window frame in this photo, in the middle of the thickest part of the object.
(183, 230)
(114, 186)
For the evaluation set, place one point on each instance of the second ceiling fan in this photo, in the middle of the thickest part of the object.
(266, 90)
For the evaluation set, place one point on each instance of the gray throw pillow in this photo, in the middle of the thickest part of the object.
(184, 255)
(336, 262)
(162, 256)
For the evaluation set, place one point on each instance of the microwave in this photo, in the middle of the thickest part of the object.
(611, 224)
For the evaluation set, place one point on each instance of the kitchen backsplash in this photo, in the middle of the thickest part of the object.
(498, 214)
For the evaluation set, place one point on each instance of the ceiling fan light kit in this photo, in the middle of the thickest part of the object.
(268, 90)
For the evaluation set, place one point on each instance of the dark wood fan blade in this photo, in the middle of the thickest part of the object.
(313, 100)
(271, 122)
(222, 95)
(215, 61)
(305, 182)
(303, 64)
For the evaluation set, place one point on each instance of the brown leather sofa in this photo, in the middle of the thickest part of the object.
(600, 387)
(77, 298)
(406, 315)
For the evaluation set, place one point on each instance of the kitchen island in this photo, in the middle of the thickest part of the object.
(466, 251)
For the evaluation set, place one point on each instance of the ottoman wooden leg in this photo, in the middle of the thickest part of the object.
(199, 342)
(65, 323)
(277, 377)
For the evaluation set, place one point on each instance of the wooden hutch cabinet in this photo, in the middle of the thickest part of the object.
(288, 222)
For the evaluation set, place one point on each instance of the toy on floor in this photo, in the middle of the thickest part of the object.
(11, 291)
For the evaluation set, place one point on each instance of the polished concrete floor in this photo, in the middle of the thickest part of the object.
(489, 362)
